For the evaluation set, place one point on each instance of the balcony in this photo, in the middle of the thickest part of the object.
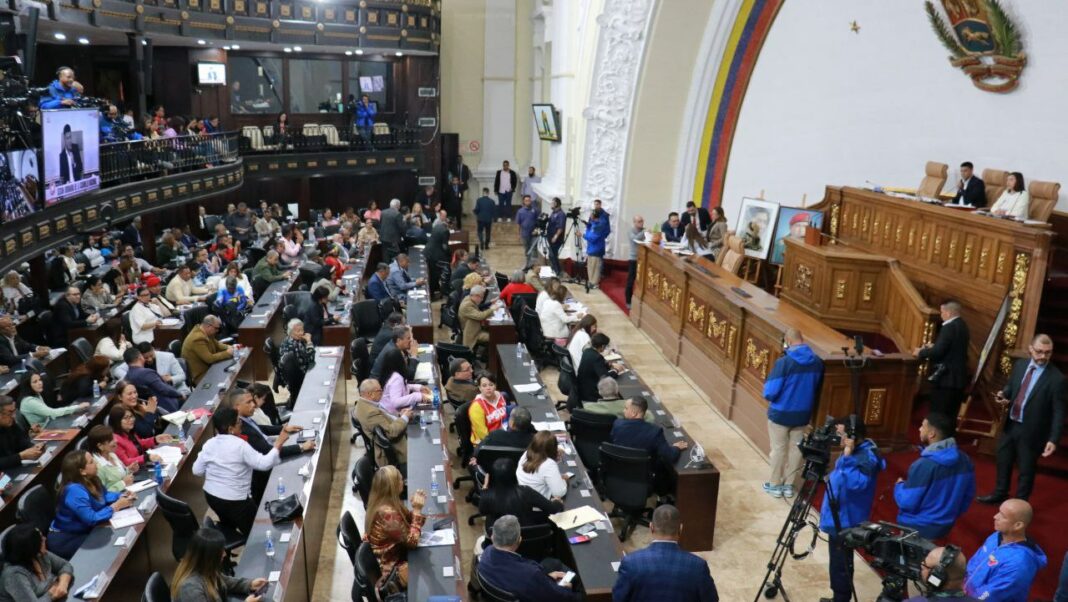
(326, 150)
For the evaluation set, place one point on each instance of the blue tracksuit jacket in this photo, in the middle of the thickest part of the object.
(939, 488)
(793, 386)
(853, 481)
(1003, 572)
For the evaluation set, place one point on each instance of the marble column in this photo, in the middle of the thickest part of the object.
(498, 89)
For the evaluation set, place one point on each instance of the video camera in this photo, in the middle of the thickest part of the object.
(573, 213)
(898, 551)
(816, 446)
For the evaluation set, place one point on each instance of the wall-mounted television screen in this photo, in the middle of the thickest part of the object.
(547, 120)
(71, 153)
(211, 74)
(19, 184)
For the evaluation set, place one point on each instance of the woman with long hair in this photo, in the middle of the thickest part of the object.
(488, 410)
(293, 241)
(83, 504)
(281, 125)
(555, 321)
(31, 572)
(717, 232)
(113, 344)
(693, 240)
(144, 411)
(32, 404)
(397, 394)
(580, 337)
(200, 577)
(113, 472)
(129, 447)
(79, 383)
(459, 257)
(372, 212)
(1015, 201)
(266, 409)
(538, 469)
(391, 528)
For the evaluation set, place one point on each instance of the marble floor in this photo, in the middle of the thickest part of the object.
(748, 520)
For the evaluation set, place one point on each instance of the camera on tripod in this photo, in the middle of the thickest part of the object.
(573, 213)
(896, 550)
(816, 446)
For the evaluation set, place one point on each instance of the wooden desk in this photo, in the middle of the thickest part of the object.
(501, 332)
(265, 321)
(702, 316)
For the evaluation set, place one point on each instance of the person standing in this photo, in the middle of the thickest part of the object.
(940, 484)
(1035, 396)
(504, 184)
(970, 190)
(391, 230)
(365, 116)
(527, 219)
(950, 356)
(555, 234)
(485, 214)
(698, 215)
(636, 237)
(528, 185)
(791, 390)
(597, 231)
(454, 201)
(663, 570)
(1004, 567)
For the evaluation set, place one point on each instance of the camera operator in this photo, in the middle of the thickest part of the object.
(850, 491)
(527, 219)
(554, 233)
(113, 128)
(943, 572)
(940, 484)
(64, 92)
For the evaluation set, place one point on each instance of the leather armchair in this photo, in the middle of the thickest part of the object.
(935, 175)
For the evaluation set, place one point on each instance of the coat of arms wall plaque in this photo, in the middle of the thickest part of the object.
(983, 41)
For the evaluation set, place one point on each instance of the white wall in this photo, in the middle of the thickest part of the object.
(828, 106)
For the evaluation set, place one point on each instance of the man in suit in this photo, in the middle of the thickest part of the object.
(241, 401)
(376, 284)
(592, 368)
(13, 349)
(68, 314)
(132, 234)
(1035, 397)
(370, 414)
(504, 184)
(950, 356)
(454, 200)
(698, 214)
(970, 190)
(403, 340)
(201, 349)
(663, 571)
(391, 230)
(503, 568)
(632, 430)
(398, 283)
(385, 333)
(70, 158)
(472, 264)
(673, 228)
(149, 383)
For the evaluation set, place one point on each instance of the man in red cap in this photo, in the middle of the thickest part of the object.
(163, 306)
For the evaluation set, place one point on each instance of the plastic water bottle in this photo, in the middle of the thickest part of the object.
(533, 372)
(96, 387)
(437, 399)
(157, 472)
(434, 490)
(422, 420)
(268, 546)
(519, 351)
(183, 429)
(281, 488)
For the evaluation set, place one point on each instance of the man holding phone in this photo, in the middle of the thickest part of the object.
(15, 443)
(504, 569)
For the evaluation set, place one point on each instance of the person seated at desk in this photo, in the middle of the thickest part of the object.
(970, 189)
(1015, 201)
(538, 467)
(579, 339)
(672, 228)
(266, 413)
(231, 295)
(333, 259)
(403, 340)
(470, 265)
(144, 317)
(146, 414)
(233, 270)
(317, 314)
(470, 281)
(390, 527)
(168, 249)
(225, 249)
(370, 414)
(14, 290)
(129, 446)
(32, 404)
(79, 383)
(516, 284)
(717, 234)
(13, 349)
(543, 295)
(182, 291)
(461, 385)
(164, 363)
(632, 430)
(141, 264)
(376, 284)
(149, 383)
(201, 349)
(554, 320)
(69, 315)
(299, 343)
(159, 303)
(15, 443)
(267, 226)
(267, 269)
(502, 567)
(63, 271)
(227, 463)
(200, 576)
(593, 367)
(610, 401)
(663, 570)
(114, 474)
(31, 572)
(472, 316)
(398, 283)
(367, 234)
(397, 393)
(385, 334)
(502, 494)
(83, 503)
(97, 297)
(694, 241)
(488, 410)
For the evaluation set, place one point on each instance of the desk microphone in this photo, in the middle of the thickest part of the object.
(875, 187)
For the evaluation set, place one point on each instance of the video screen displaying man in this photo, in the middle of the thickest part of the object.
(71, 153)
(70, 159)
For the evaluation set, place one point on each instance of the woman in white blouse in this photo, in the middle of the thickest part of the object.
(538, 469)
(580, 337)
(113, 344)
(14, 289)
(1015, 201)
(554, 320)
(144, 318)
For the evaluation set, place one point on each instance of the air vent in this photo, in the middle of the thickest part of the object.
(428, 92)
(427, 180)
(428, 122)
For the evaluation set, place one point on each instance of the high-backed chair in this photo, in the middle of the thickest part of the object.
(332, 136)
(732, 256)
(1043, 199)
(367, 571)
(626, 475)
(365, 473)
(348, 535)
(935, 175)
(156, 590)
(994, 184)
(36, 507)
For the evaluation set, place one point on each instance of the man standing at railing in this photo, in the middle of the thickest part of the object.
(63, 92)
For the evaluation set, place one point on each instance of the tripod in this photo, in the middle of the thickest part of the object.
(572, 230)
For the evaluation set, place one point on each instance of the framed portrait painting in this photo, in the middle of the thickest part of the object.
(792, 224)
(755, 226)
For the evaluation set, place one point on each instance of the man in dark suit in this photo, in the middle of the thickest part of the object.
(68, 314)
(316, 314)
(240, 400)
(673, 228)
(593, 367)
(693, 212)
(632, 430)
(131, 235)
(504, 183)
(471, 264)
(949, 354)
(13, 349)
(391, 230)
(403, 340)
(970, 190)
(503, 568)
(70, 158)
(1035, 397)
(149, 383)
(663, 571)
(376, 284)
(454, 201)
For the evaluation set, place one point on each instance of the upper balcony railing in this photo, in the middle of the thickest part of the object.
(123, 162)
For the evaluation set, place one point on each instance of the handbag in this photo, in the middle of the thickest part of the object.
(284, 509)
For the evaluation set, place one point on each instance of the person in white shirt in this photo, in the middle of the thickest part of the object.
(1015, 201)
(580, 338)
(163, 362)
(538, 469)
(113, 344)
(552, 284)
(181, 289)
(554, 320)
(14, 289)
(144, 318)
(227, 462)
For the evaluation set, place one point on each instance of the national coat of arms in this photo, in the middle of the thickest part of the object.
(982, 41)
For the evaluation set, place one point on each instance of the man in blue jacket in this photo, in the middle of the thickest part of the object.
(63, 91)
(1004, 566)
(663, 571)
(376, 284)
(527, 219)
(791, 390)
(940, 485)
(503, 568)
(365, 116)
(851, 490)
(597, 231)
(632, 430)
(149, 383)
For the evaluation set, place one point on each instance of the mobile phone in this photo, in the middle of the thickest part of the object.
(441, 524)
(263, 589)
(585, 529)
(566, 578)
(577, 539)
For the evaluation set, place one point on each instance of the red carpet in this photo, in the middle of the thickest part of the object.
(614, 283)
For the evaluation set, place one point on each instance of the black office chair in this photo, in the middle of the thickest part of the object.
(502, 280)
(367, 571)
(366, 319)
(628, 482)
(384, 443)
(82, 443)
(568, 379)
(533, 337)
(348, 535)
(588, 431)
(365, 473)
(254, 255)
(3, 541)
(465, 449)
(156, 590)
(361, 359)
(446, 352)
(536, 542)
(48, 330)
(82, 348)
(292, 375)
(259, 286)
(486, 456)
(450, 319)
(290, 311)
(492, 592)
(36, 507)
(184, 524)
(175, 347)
(126, 328)
(386, 307)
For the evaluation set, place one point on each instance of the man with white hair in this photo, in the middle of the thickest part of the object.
(391, 230)
(503, 568)
(370, 414)
(299, 343)
(200, 348)
(471, 316)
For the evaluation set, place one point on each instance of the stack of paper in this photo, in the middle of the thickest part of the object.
(444, 537)
(546, 272)
(424, 371)
(527, 388)
(177, 418)
(550, 425)
(569, 519)
(168, 454)
(126, 518)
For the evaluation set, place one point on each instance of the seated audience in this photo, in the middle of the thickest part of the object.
(227, 462)
(130, 447)
(150, 384)
(69, 315)
(256, 434)
(581, 332)
(461, 384)
(502, 494)
(970, 189)
(370, 414)
(1015, 201)
(97, 297)
(554, 319)
(470, 265)
(398, 283)
(717, 234)
(610, 401)
(13, 349)
(162, 306)
(299, 343)
(940, 484)
(182, 291)
(543, 295)
(403, 340)
(376, 284)
(31, 572)
(267, 269)
(14, 290)
(1004, 567)
(367, 234)
(164, 363)
(266, 408)
(201, 349)
(516, 284)
(80, 380)
(390, 527)
(593, 367)
(200, 576)
(488, 409)
(144, 318)
(267, 226)
(82, 504)
(672, 228)
(114, 474)
(502, 567)
(663, 570)
(168, 249)
(538, 469)
(317, 314)
(397, 393)
(471, 317)
(146, 415)
(15, 443)
(32, 404)
(632, 430)
(385, 334)
(372, 212)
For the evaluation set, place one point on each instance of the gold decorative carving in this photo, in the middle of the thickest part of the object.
(875, 226)
(835, 208)
(856, 214)
(938, 244)
(730, 340)
(757, 360)
(864, 225)
(912, 236)
(886, 229)
(875, 405)
(897, 235)
(803, 279)
(952, 250)
(1011, 331)
(840, 289)
(1001, 262)
(923, 243)
(695, 314)
(229, 20)
(139, 9)
(869, 288)
(1019, 273)
(716, 329)
(967, 254)
(983, 254)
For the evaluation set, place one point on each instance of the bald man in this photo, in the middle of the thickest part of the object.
(950, 585)
(1005, 565)
(637, 237)
(792, 390)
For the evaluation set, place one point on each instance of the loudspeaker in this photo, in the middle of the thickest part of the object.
(29, 50)
(450, 155)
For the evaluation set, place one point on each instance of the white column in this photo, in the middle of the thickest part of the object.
(559, 23)
(498, 89)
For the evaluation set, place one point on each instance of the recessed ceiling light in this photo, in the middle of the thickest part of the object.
(236, 47)
(83, 40)
(144, 42)
(287, 49)
(359, 51)
(226, 48)
(60, 36)
(400, 54)
(297, 49)
(348, 53)
(201, 42)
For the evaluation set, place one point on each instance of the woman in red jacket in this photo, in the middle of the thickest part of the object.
(129, 447)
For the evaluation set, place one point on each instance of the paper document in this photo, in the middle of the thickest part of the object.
(170, 321)
(613, 357)
(550, 425)
(424, 371)
(444, 537)
(546, 272)
(126, 518)
(168, 454)
(569, 519)
(58, 351)
(140, 486)
(527, 388)
(176, 418)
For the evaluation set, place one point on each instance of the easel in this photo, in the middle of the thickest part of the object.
(778, 271)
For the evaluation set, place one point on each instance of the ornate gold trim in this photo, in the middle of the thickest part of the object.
(840, 289)
(757, 360)
(835, 208)
(866, 293)
(1012, 322)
